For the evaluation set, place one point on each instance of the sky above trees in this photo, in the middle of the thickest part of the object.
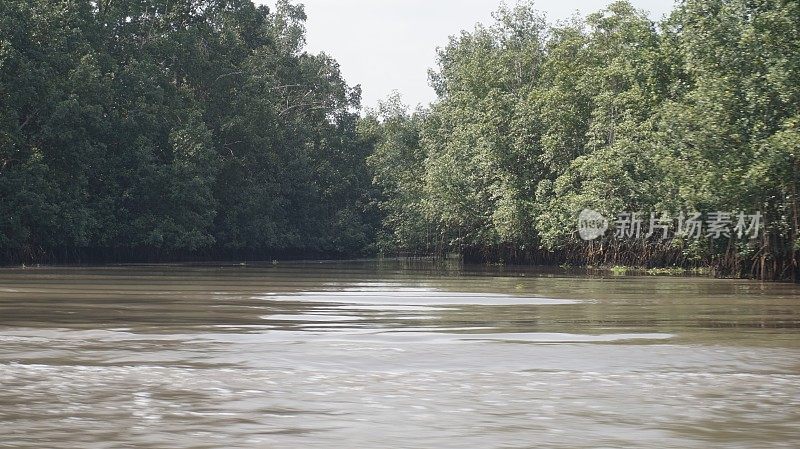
(389, 45)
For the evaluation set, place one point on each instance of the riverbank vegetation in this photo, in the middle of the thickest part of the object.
(612, 112)
(165, 129)
(155, 130)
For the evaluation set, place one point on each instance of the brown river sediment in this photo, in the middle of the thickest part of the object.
(394, 355)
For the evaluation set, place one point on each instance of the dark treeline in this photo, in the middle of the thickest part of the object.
(155, 130)
(188, 129)
(612, 112)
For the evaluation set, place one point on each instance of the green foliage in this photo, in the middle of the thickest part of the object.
(535, 123)
(397, 166)
(174, 126)
(204, 127)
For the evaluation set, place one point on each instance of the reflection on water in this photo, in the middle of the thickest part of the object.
(394, 355)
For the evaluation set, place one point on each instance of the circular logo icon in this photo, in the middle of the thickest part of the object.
(591, 224)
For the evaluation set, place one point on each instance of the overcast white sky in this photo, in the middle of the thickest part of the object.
(387, 45)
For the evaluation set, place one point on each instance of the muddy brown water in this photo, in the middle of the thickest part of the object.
(394, 355)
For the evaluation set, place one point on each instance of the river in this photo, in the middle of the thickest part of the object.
(394, 355)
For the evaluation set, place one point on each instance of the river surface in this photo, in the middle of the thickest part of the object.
(394, 355)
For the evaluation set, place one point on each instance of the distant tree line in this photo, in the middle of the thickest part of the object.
(185, 129)
(612, 112)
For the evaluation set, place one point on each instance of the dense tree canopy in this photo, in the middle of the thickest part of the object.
(203, 128)
(174, 126)
(612, 112)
